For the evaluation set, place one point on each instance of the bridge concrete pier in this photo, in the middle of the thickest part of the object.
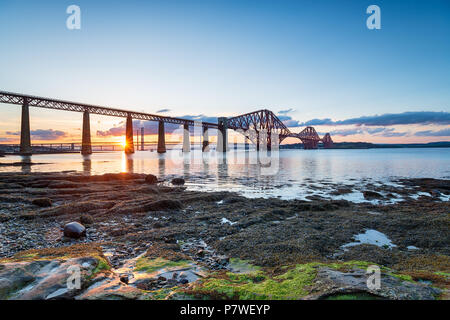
(257, 141)
(25, 136)
(142, 138)
(186, 136)
(86, 146)
(129, 144)
(222, 139)
(205, 146)
(161, 138)
(246, 144)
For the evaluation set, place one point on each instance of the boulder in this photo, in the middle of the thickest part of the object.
(124, 278)
(151, 179)
(42, 202)
(178, 181)
(74, 230)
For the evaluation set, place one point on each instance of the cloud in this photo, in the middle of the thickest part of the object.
(286, 111)
(317, 122)
(380, 131)
(163, 110)
(389, 119)
(41, 134)
(346, 132)
(429, 133)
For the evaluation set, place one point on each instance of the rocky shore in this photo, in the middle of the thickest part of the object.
(135, 237)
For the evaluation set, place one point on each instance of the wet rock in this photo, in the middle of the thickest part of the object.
(46, 279)
(161, 278)
(42, 202)
(166, 204)
(178, 181)
(157, 225)
(124, 278)
(86, 219)
(74, 230)
(331, 282)
(368, 195)
(151, 179)
(184, 281)
(222, 259)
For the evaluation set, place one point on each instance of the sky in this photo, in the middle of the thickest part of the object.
(311, 62)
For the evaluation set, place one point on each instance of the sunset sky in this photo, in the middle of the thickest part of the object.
(311, 62)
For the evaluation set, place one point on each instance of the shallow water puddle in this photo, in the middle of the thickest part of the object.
(370, 236)
(419, 194)
(225, 220)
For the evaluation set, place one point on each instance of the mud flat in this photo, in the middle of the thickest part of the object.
(150, 239)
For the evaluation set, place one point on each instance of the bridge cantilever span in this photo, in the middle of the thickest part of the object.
(267, 122)
(258, 126)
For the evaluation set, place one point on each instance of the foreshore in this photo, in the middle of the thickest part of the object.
(151, 239)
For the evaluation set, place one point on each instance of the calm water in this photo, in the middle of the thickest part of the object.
(298, 173)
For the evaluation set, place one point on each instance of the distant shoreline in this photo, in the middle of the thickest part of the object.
(368, 145)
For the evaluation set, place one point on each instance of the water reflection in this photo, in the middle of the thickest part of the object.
(161, 165)
(26, 164)
(87, 164)
(240, 171)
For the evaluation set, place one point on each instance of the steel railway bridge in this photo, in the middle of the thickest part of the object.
(261, 126)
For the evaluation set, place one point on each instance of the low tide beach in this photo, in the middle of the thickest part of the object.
(142, 236)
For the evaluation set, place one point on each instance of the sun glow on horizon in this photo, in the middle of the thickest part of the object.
(123, 141)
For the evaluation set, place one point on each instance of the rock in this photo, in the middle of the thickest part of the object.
(74, 230)
(183, 275)
(222, 259)
(201, 253)
(42, 202)
(331, 282)
(184, 281)
(160, 205)
(161, 278)
(178, 181)
(151, 179)
(86, 219)
(371, 195)
(42, 279)
(157, 225)
(124, 278)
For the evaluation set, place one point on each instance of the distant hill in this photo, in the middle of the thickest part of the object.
(368, 145)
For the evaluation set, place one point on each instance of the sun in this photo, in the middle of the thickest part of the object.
(123, 142)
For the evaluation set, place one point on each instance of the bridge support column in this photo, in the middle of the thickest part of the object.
(222, 139)
(86, 146)
(246, 144)
(129, 144)
(257, 141)
(161, 138)
(142, 138)
(25, 137)
(205, 147)
(186, 141)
